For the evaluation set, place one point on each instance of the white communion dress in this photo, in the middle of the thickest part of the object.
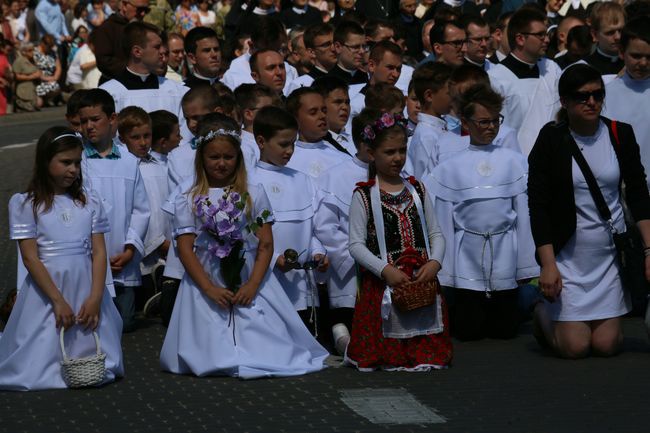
(30, 353)
(266, 338)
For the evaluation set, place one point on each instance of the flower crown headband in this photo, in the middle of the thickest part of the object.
(217, 133)
(386, 121)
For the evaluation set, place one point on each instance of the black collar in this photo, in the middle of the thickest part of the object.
(134, 82)
(519, 68)
(193, 81)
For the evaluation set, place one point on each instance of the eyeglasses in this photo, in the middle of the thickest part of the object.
(325, 45)
(359, 47)
(142, 10)
(539, 35)
(458, 43)
(583, 97)
(477, 41)
(486, 123)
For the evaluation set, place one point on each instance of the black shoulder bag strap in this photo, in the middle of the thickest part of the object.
(594, 189)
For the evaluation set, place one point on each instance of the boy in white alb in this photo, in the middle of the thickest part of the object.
(250, 99)
(134, 128)
(482, 207)
(114, 174)
(293, 198)
(331, 225)
(312, 154)
(431, 86)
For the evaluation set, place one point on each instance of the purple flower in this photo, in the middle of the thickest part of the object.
(226, 205)
(369, 133)
(225, 226)
(234, 197)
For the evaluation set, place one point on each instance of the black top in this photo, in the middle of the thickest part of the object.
(494, 58)
(193, 81)
(604, 64)
(134, 82)
(519, 68)
(359, 77)
(314, 72)
(551, 199)
(378, 9)
(291, 18)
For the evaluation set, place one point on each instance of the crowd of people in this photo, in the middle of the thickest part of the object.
(292, 179)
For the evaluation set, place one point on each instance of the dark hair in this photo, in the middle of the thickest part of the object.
(135, 33)
(294, 100)
(162, 124)
(478, 94)
(381, 48)
(40, 190)
(98, 97)
(581, 36)
(384, 97)
(366, 117)
(638, 28)
(373, 25)
(255, 57)
(437, 32)
(430, 76)
(204, 93)
(468, 72)
(269, 120)
(314, 31)
(520, 23)
(327, 84)
(246, 95)
(78, 9)
(574, 77)
(467, 19)
(346, 28)
(268, 33)
(380, 136)
(222, 89)
(214, 121)
(195, 35)
(72, 106)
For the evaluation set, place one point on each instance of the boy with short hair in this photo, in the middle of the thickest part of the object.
(293, 198)
(72, 110)
(431, 86)
(250, 99)
(114, 174)
(337, 100)
(331, 223)
(165, 134)
(312, 154)
(134, 127)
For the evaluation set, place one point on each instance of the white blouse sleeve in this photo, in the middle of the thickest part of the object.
(22, 224)
(436, 238)
(358, 230)
(184, 221)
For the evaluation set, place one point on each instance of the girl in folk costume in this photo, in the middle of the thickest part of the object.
(231, 316)
(395, 239)
(60, 230)
(482, 207)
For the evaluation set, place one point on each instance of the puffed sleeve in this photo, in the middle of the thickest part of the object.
(100, 223)
(184, 219)
(22, 224)
(261, 204)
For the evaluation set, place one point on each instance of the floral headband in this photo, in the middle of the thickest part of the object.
(219, 132)
(386, 121)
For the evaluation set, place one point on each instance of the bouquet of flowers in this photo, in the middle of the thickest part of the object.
(224, 221)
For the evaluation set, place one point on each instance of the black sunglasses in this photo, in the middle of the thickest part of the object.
(583, 97)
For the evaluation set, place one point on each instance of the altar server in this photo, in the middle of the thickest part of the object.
(482, 208)
(628, 97)
(293, 198)
(526, 79)
(114, 174)
(332, 226)
(312, 154)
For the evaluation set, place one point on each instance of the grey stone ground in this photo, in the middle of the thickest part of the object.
(493, 386)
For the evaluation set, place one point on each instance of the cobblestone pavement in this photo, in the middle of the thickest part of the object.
(493, 386)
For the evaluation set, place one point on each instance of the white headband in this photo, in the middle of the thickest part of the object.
(210, 135)
(76, 135)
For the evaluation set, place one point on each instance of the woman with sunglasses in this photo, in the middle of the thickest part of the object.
(580, 272)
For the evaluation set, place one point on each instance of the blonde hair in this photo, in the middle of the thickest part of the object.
(606, 13)
(240, 182)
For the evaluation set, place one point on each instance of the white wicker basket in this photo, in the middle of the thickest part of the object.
(89, 371)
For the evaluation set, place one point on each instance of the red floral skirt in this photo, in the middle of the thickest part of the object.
(369, 348)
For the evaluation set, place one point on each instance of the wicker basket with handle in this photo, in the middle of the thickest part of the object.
(413, 295)
(82, 372)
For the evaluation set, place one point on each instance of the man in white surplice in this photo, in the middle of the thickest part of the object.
(526, 79)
